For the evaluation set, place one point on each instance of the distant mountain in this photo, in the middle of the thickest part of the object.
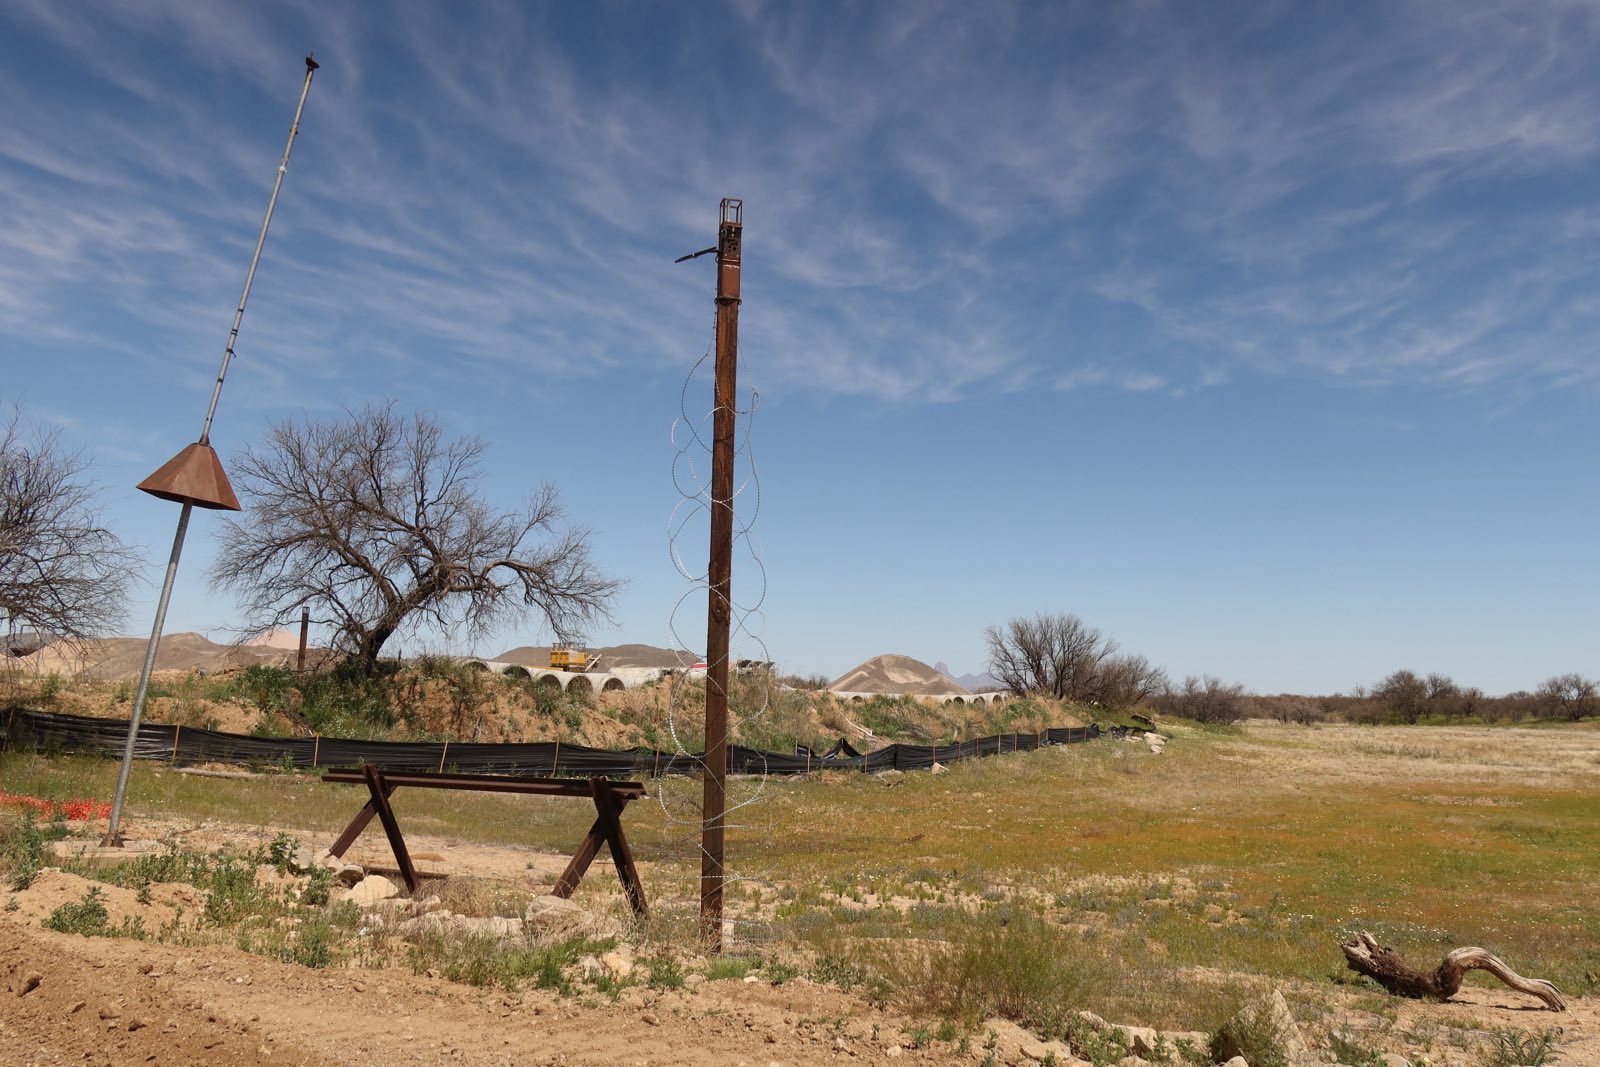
(979, 683)
(976, 683)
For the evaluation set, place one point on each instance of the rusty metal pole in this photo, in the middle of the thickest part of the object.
(719, 609)
(305, 626)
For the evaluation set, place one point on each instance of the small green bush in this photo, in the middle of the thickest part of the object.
(22, 850)
(1521, 1048)
(87, 916)
(665, 973)
(1255, 1034)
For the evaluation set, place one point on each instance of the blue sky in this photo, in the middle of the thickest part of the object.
(1265, 337)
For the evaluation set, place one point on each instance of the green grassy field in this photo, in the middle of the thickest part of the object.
(1100, 876)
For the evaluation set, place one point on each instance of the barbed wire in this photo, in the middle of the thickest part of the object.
(691, 443)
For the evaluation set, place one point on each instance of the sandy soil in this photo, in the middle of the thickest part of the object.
(71, 999)
(65, 998)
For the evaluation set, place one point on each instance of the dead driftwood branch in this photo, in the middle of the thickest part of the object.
(1384, 966)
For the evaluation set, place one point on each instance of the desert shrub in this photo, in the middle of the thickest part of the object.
(87, 916)
(1352, 1051)
(350, 702)
(780, 721)
(483, 960)
(22, 849)
(1005, 963)
(270, 690)
(233, 892)
(891, 717)
(723, 967)
(1520, 1048)
(1255, 1033)
(1568, 696)
(810, 682)
(665, 973)
(1403, 694)
(1206, 699)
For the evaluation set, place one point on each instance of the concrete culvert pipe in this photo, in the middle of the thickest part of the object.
(549, 682)
(518, 672)
(579, 686)
(476, 665)
(613, 685)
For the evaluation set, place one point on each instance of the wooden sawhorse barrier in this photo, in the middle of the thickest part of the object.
(609, 799)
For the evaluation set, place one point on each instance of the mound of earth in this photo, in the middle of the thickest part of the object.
(895, 675)
(611, 656)
(122, 657)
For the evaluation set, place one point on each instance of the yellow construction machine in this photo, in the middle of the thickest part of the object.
(573, 658)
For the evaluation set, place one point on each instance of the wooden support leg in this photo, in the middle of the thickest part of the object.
(610, 805)
(357, 824)
(588, 848)
(380, 791)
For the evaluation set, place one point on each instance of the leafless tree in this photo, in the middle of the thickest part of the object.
(1126, 681)
(1571, 696)
(62, 573)
(1440, 687)
(1402, 693)
(1206, 699)
(374, 522)
(1056, 655)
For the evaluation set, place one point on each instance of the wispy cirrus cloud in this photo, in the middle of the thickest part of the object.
(943, 200)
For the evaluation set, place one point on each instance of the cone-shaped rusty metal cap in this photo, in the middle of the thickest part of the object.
(194, 476)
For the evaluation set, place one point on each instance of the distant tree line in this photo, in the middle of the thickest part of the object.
(1062, 657)
(1407, 697)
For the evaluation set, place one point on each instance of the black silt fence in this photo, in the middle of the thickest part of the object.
(48, 732)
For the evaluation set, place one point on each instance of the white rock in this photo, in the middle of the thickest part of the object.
(304, 861)
(556, 917)
(493, 926)
(618, 965)
(1266, 1013)
(1141, 1039)
(1048, 1052)
(371, 890)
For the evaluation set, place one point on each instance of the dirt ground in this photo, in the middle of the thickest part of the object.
(65, 998)
(115, 1002)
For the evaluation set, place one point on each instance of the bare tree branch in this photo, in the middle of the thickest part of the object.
(61, 572)
(373, 522)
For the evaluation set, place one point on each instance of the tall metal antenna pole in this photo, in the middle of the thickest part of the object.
(719, 610)
(194, 477)
(255, 257)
